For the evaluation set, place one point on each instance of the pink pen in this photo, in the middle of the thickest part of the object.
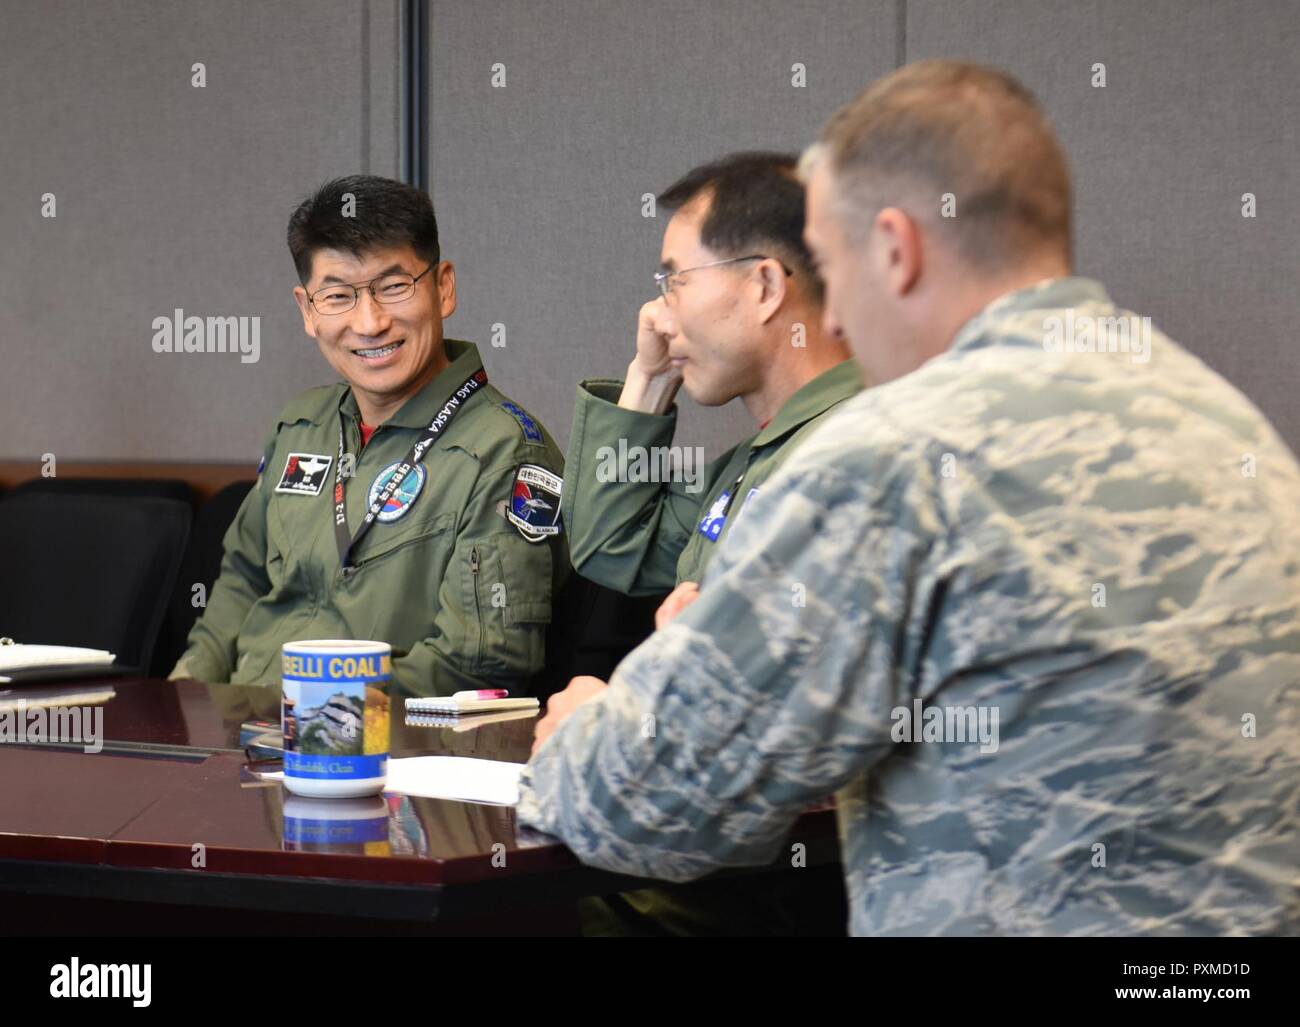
(482, 693)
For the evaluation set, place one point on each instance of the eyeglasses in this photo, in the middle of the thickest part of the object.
(390, 288)
(668, 280)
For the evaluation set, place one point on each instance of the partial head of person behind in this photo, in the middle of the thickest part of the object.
(939, 188)
(740, 301)
(374, 289)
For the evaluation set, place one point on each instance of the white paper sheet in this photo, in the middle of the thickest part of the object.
(456, 777)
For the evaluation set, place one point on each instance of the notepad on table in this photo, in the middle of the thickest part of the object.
(461, 724)
(453, 707)
(19, 662)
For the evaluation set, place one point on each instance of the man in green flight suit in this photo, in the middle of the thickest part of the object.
(412, 503)
(739, 316)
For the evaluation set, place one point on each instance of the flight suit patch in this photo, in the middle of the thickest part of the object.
(535, 502)
(711, 523)
(304, 474)
(401, 500)
(531, 432)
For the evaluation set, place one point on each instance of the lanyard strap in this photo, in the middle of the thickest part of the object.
(347, 543)
(735, 489)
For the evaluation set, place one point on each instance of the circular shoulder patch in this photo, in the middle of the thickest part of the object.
(401, 500)
(535, 502)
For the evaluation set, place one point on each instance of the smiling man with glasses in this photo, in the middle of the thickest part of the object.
(412, 502)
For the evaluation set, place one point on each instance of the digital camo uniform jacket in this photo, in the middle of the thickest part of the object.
(942, 538)
(445, 575)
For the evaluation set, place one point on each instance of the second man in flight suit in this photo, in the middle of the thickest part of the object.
(739, 316)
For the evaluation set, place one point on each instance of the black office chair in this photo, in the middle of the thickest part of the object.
(592, 629)
(89, 570)
(201, 565)
(129, 488)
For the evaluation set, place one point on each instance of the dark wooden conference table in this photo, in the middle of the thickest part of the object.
(107, 843)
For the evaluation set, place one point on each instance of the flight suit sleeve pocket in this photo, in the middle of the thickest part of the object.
(510, 603)
(527, 571)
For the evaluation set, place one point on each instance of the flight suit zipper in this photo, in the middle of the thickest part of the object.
(478, 612)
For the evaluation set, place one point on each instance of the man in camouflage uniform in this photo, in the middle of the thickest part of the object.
(454, 564)
(1030, 608)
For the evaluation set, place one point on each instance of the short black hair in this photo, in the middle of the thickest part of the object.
(756, 203)
(387, 214)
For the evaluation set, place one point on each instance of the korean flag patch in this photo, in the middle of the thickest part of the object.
(304, 474)
(535, 502)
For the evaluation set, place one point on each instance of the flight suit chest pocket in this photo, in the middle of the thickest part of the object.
(294, 525)
(383, 539)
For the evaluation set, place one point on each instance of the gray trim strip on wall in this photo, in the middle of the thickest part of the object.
(414, 139)
(900, 33)
(365, 87)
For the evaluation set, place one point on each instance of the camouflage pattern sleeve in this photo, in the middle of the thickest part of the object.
(769, 692)
(1046, 590)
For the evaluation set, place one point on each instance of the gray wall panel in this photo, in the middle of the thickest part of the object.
(171, 196)
(538, 185)
(1199, 108)
(168, 196)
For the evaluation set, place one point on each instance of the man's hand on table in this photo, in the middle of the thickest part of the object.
(678, 599)
(561, 704)
(583, 689)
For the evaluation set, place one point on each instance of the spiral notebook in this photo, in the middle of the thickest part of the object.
(447, 707)
(461, 724)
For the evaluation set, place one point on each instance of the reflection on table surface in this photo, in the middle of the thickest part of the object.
(207, 794)
(172, 777)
